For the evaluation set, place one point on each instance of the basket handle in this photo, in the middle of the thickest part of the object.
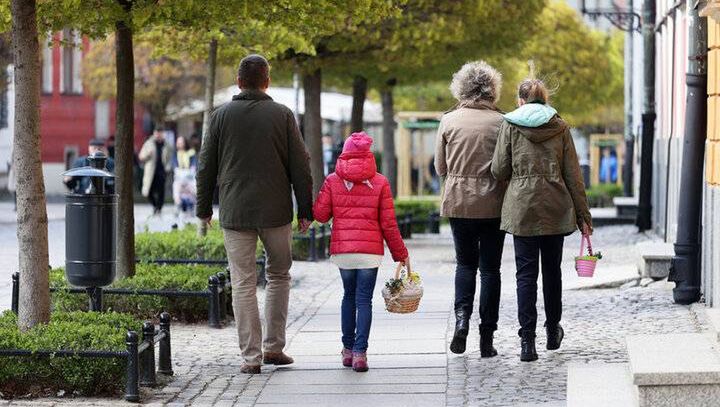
(398, 270)
(582, 245)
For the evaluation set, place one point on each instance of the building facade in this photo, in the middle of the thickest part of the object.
(671, 93)
(69, 117)
(711, 202)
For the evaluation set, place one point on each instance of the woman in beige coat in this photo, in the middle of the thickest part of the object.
(472, 198)
(156, 156)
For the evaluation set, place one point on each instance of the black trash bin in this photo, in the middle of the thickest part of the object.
(90, 219)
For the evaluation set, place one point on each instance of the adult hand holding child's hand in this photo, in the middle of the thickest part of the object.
(303, 225)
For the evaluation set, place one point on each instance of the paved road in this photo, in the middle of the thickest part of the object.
(410, 365)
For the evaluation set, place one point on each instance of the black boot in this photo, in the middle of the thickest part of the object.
(487, 350)
(527, 346)
(462, 326)
(555, 335)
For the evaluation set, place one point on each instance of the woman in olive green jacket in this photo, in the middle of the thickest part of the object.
(545, 201)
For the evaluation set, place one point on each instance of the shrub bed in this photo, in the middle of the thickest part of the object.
(420, 209)
(601, 195)
(182, 244)
(186, 244)
(36, 376)
(147, 277)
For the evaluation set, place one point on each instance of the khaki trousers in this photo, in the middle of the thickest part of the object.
(240, 247)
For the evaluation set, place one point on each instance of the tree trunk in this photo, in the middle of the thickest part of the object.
(209, 102)
(32, 222)
(358, 106)
(312, 126)
(389, 161)
(124, 149)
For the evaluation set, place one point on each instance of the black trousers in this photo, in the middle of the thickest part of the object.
(157, 192)
(530, 252)
(478, 244)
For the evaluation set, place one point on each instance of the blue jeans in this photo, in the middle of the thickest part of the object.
(356, 310)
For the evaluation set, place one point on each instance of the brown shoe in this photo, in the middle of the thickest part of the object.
(250, 369)
(277, 359)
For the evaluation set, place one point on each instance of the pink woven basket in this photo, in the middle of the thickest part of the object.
(585, 267)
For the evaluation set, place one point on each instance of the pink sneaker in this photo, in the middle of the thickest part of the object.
(359, 362)
(347, 357)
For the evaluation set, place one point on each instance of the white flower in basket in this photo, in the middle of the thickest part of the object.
(402, 294)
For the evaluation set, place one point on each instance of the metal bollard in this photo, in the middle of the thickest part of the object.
(132, 385)
(261, 276)
(312, 252)
(164, 350)
(322, 250)
(15, 292)
(96, 298)
(222, 298)
(435, 223)
(408, 226)
(214, 299)
(147, 357)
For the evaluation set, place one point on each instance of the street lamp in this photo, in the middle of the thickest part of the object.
(624, 19)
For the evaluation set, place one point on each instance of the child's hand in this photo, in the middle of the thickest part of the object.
(405, 261)
(303, 225)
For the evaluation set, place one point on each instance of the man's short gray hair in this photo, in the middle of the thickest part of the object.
(476, 81)
(254, 71)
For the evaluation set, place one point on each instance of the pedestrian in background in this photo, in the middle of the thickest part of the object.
(359, 201)
(472, 198)
(254, 151)
(80, 185)
(156, 157)
(12, 183)
(545, 202)
(184, 166)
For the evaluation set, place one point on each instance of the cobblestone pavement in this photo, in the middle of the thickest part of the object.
(410, 365)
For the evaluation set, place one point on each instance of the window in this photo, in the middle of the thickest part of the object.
(70, 61)
(47, 65)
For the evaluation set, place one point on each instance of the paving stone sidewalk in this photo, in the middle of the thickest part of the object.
(410, 364)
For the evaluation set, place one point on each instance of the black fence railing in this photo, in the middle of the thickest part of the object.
(261, 263)
(318, 242)
(139, 355)
(217, 293)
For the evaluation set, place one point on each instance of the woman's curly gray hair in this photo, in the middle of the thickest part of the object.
(476, 81)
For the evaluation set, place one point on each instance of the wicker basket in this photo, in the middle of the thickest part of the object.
(405, 301)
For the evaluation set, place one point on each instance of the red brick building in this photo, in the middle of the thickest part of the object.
(69, 117)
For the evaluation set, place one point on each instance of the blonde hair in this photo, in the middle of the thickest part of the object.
(476, 81)
(533, 91)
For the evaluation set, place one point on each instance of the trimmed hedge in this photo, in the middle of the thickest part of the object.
(147, 277)
(601, 195)
(36, 376)
(182, 244)
(185, 244)
(419, 208)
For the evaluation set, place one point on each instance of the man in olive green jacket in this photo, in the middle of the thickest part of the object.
(254, 151)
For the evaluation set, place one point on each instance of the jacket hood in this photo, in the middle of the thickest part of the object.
(357, 162)
(537, 122)
(356, 166)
